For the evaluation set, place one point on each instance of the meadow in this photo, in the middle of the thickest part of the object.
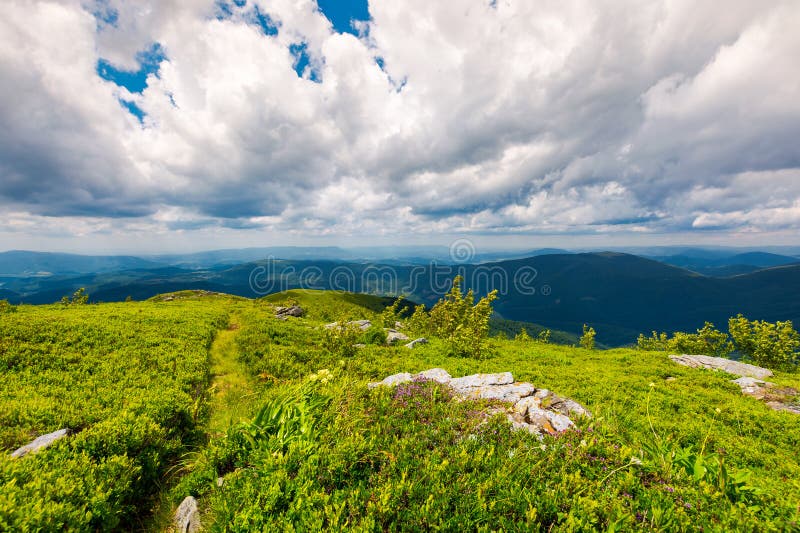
(271, 427)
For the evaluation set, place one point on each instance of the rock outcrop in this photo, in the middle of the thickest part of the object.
(284, 313)
(187, 517)
(537, 411)
(363, 325)
(750, 380)
(40, 443)
(393, 336)
(720, 363)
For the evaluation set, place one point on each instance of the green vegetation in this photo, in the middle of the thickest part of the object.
(773, 345)
(79, 297)
(587, 339)
(463, 323)
(128, 379)
(301, 443)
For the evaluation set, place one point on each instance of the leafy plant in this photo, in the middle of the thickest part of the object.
(391, 314)
(461, 322)
(6, 307)
(588, 337)
(419, 321)
(79, 297)
(771, 344)
(340, 340)
(544, 336)
(374, 335)
(523, 336)
(707, 341)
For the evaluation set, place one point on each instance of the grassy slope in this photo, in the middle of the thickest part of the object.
(614, 384)
(264, 356)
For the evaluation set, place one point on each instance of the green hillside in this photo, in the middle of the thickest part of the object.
(270, 425)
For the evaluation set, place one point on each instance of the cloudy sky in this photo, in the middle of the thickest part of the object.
(194, 124)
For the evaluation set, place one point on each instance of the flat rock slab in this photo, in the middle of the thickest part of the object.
(187, 517)
(40, 443)
(513, 392)
(439, 375)
(720, 363)
(482, 380)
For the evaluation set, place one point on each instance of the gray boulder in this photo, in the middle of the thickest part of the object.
(187, 517)
(285, 312)
(548, 421)
(416, 342)
(720, 363)
(392, 336)
(40, 443)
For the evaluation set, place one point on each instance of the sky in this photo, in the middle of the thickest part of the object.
(158, 125)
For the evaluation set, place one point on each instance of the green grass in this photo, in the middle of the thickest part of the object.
(327, 453)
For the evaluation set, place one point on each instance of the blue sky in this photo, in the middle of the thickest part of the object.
(151, 125)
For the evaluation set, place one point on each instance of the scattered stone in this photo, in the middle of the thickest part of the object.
(398, 324)
(670, 379)
(720, 363)
(285, 312)
(220, 481)
(439, 375)
(359, 345)
(187, 517)
(363, 325)
(415, 342)
(548, 421)
(757, 388)
(40, 443)
(780, 406)
(391, 381)
(392, 336)
(568, 407)
(482, 380)
(537, 411)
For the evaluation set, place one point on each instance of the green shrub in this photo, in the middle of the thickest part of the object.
(374, 335)
(6, 307)
(420, 321)
(391, 314)
(523, 336)
(770, 344)
(79, 297)
(707, 341)
(461, 322)
(587, 338)
(544, 336)
(340, 340)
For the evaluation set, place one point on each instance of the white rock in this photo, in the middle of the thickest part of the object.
(720, 363)
(506, 393)
(40, 443)
(548, 421)
(391, 381)
(415, 342)
(522, 405)
(568, 407)
(393, 336)
(187, 517)
(482, 380)
(436, 374)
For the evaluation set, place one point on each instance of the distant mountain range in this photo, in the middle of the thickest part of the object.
(621, 295)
